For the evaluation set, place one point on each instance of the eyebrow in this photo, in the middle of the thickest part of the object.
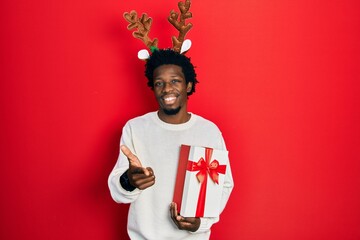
(176, 75)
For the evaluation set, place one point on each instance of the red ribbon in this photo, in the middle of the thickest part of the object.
(205, 167)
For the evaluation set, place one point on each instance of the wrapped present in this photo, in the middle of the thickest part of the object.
(199, 182)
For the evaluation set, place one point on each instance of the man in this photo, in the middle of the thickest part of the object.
(145, 172)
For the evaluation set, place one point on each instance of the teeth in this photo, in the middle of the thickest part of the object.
(169, 99)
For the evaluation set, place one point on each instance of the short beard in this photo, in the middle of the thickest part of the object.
(172, 111)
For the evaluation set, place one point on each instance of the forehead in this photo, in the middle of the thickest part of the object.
(168, 69)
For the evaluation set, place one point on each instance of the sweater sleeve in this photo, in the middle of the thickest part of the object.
(118, 193)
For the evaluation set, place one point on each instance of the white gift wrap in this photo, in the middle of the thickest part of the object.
(192, 186)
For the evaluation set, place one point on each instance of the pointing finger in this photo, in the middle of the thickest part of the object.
(133, 160)
(127, 151)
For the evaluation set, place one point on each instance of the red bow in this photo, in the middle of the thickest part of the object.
(213, 169)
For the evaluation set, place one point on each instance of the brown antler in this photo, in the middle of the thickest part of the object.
(143, 27)
(180, 25)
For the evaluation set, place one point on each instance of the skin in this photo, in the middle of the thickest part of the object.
(139, 176)
(191, 224)
(170, 90)
(170, 83)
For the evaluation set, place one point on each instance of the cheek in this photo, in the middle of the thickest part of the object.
(156, 91)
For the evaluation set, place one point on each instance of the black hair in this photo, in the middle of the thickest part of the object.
(168, 56)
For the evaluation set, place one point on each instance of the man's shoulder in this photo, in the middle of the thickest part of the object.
(206, 123)
(145, 116)
(141, 119)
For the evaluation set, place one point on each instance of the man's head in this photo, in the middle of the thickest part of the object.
(166, 57)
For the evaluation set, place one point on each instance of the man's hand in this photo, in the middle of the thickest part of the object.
(191, 224)
(139, 176)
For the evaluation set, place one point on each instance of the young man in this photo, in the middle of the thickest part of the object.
(146, 170)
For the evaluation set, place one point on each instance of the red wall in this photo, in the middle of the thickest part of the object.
(280, 78)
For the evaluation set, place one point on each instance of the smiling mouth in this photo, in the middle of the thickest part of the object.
(169, 100)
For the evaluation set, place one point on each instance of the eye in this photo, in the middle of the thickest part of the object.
(175, 81)
(158, 84)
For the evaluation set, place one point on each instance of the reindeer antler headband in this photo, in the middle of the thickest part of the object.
(143, 26)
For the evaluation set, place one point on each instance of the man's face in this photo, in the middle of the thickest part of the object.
(170, 88)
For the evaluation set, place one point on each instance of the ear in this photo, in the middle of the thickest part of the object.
(189, 87)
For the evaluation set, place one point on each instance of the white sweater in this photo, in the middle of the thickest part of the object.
(157, 145)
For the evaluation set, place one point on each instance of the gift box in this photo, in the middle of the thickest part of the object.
(199, 181)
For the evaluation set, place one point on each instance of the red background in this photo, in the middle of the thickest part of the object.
(280, 78)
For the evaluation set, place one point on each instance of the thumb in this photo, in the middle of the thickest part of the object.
(133, 160)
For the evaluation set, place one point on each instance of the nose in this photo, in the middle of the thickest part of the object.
(167, 87)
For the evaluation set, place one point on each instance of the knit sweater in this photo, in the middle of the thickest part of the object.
(157, 145)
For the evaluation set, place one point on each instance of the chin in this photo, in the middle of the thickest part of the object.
(171, 111)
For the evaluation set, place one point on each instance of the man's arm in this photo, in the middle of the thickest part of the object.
(129, 164)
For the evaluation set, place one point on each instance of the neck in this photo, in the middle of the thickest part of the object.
(181, 117)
